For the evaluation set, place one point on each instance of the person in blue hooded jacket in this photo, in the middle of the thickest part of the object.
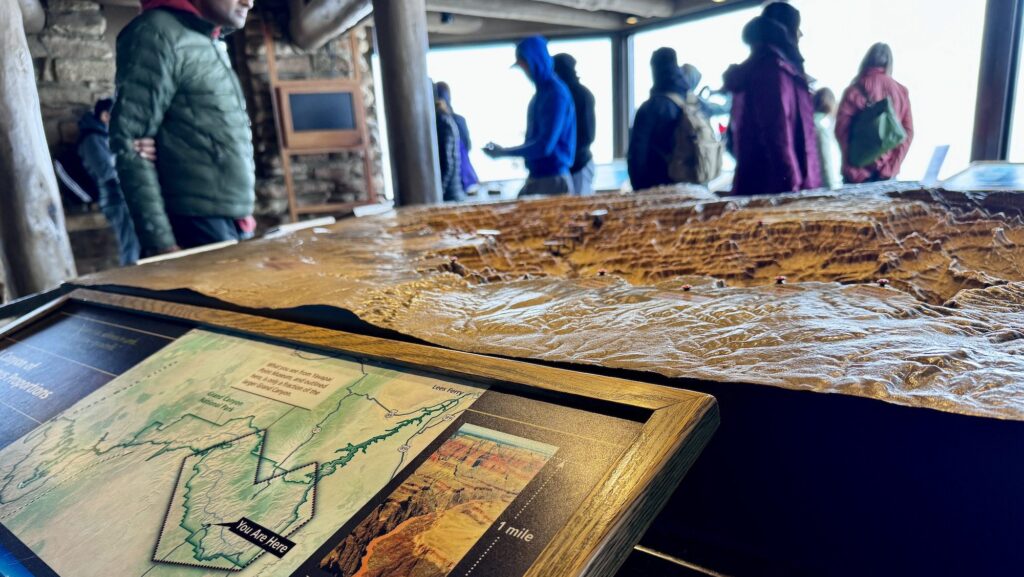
(550, 146)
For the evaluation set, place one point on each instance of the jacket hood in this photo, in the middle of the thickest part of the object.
(565, 68)
(88, 123)
(763, 33)
(691, 75)
(534, 52)
(737, 77)
(785, 15)
(182, 5)
(667, 75)
(443, 92)
(185, 6)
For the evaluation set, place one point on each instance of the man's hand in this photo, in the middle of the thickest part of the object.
(146, 148)
(493, 150)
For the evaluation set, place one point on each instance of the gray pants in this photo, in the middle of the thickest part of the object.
(547, 186)
(583, 180)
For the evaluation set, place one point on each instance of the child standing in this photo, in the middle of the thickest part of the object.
(828, 146)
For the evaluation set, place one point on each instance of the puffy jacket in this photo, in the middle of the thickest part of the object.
(878, 85)
(175, 84)
(550, 145)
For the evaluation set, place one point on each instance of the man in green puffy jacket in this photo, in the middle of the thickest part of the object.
(180, 131)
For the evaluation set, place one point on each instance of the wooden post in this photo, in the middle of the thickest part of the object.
(622, 92)
(997, 79)
(34, 247)
(409, 100)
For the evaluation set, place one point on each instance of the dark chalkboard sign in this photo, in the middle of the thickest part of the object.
(321, 115)
(322, 111)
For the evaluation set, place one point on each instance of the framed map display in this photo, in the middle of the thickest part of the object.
(141, 438)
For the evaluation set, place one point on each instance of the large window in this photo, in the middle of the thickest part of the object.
(936, 46)
(493, 97)
(1016, 152)
(710, 44)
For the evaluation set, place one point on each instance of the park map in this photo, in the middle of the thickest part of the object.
(164, 471)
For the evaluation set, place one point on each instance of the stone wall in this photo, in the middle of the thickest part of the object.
(75, 66)
(321, 178)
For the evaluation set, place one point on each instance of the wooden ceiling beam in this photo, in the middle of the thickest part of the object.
(529, 11)
(316, 23)
(33, 16)
(641, 8)
(459, 24)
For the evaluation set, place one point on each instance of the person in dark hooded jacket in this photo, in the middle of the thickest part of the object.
(467, 173)
(448, 141)
(652, 139)
(772, 123)
(582, 169)
(550, 146)
(94, 151)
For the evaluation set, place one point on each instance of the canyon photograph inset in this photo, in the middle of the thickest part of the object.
(430, 522)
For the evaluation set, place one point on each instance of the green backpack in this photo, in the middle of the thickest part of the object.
(874, 131)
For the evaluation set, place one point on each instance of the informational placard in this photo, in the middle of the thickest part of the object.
(51, 365)
(988, 176)
(156, 449)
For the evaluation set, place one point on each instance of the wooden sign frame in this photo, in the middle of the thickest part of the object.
(320, 139)
(363, 144)
(611, 519)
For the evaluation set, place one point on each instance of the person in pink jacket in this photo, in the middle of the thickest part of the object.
(875, 82)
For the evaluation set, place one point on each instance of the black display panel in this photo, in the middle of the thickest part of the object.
(322, 111)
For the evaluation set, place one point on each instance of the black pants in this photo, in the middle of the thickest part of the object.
(192, 231)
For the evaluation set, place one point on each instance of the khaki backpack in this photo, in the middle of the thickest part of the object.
(697, 154)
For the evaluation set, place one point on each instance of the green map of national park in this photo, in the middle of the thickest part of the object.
(143, 477)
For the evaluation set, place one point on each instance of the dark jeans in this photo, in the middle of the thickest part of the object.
(193, 231)
(114, 208)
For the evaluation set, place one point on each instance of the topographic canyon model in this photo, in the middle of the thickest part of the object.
(893, 292)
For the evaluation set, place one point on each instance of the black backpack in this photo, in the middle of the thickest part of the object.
(76, 185)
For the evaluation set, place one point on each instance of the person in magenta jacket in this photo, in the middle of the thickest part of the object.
(874, 81)
(772, 123)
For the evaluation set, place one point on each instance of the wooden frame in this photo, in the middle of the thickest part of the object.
(602, 531)
(328, 140)
(322, 146)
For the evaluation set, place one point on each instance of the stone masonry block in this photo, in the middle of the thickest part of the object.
(78, 23)
(70, 71)
(53, 95)
(294, 65)
(71, 5)
(86, 48)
